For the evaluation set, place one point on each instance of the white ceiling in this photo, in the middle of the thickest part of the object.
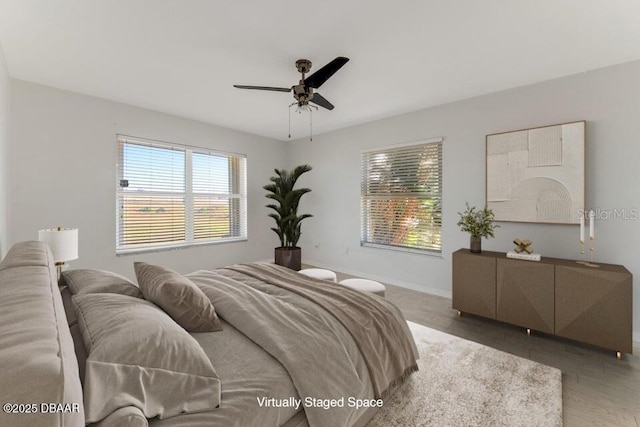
(182, 57)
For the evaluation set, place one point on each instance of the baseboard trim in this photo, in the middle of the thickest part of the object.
(389, 280)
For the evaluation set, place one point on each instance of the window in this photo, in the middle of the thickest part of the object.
(171, 195)
(401, 197)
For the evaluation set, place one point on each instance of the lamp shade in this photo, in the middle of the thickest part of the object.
(63, 243)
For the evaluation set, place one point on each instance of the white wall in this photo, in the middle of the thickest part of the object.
(609, 99)
(61, 171)
(4, 124)
(61, 168)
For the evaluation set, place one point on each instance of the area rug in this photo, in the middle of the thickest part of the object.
(463, 383)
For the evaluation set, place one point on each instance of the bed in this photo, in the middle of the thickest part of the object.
(285, 350)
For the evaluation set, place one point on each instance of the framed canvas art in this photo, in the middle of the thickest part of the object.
(538, 174)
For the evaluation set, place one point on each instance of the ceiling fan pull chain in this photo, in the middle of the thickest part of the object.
(290, 121)
(310, 124)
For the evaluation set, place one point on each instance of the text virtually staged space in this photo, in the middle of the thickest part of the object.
(334, 214)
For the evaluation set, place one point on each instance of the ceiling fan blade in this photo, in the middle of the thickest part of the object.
(316, 79)
(321, 101)
(276, 89)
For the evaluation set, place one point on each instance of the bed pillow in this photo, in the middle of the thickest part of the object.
(178, 296)
(98, 281)
(138, 356)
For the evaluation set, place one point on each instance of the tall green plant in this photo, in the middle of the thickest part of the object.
(286, 211)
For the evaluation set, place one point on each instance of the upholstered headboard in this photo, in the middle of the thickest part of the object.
(38, 365)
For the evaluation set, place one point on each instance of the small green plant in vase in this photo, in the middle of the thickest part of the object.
(478, 223)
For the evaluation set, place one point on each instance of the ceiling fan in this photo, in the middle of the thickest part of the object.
(303, 91)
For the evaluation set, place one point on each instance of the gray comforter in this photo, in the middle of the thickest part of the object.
(333, 342)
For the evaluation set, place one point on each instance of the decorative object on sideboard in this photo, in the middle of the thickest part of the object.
(478, 223)
(537, 175)
(523, 245)
(581, 237)
(288, 222)
(523, 250)
(524, 256)
(592, 238)
(592, 234)
(63, 243)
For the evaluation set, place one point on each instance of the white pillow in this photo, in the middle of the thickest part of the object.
(138, 356)
(84, 281)
(178, 296)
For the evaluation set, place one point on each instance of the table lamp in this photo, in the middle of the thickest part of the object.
(63, 243)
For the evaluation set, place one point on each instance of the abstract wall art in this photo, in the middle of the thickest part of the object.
(537, 175)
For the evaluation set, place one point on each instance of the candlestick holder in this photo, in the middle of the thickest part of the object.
(592, 240)
(581, 250)
(592, 250)
(582, 261)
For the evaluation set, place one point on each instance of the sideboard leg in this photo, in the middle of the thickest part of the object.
(528, 331)
(618, 355)
(459, 313)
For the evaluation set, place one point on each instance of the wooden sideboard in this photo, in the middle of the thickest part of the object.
(556, 296)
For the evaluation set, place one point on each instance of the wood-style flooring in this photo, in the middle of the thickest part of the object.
(597, 389)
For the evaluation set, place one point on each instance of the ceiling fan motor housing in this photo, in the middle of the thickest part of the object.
(302, 92)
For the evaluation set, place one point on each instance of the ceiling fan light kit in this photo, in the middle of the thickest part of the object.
(303, 92)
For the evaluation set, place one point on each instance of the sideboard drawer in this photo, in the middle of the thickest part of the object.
(474, 284)
(525, 294)
(593, 305)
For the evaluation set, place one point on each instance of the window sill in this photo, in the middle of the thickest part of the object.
(427, 252)
(125, 252)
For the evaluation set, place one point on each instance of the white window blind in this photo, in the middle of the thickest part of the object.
(401, 197)
(171, 195)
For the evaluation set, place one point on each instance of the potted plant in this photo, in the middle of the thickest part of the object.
(478, 223)
(286, 214)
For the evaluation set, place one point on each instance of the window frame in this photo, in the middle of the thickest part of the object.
(188, 196)
(364, 220)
